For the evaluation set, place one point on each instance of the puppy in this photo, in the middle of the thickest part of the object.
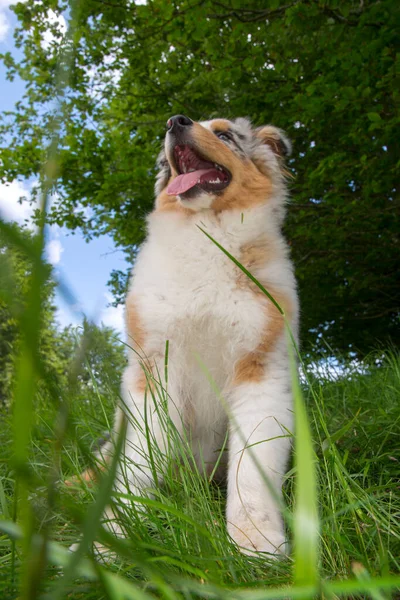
(225, 179)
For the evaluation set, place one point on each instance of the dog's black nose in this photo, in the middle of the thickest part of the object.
(178, 123)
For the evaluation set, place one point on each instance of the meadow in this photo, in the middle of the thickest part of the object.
(341, 492)
(342, 489)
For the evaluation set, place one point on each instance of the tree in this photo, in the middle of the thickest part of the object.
(99, 358)
(89, 358)
(15, 270)
(326, 72)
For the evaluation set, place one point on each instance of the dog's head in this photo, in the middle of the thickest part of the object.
(219, 164)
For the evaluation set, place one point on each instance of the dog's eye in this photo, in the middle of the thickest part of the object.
(224, 136)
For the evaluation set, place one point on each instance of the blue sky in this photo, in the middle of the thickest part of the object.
(84, 267)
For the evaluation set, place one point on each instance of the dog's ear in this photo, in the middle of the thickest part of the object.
(163, 172)
(276, 139)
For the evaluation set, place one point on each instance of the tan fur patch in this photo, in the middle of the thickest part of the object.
(166, 203)
(89, 476)
(136, 339)
(217, 124)
(255, 255)
(249, 187)
(270, 135)
(252, 366)
(135, 327)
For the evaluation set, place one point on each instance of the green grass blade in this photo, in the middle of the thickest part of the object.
(92, 521)
(242, 268)
(58, 555)
(306, 522)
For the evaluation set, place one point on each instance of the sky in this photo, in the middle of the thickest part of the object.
(84, 267)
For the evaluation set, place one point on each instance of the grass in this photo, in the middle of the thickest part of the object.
(341, 493)
(342, 497)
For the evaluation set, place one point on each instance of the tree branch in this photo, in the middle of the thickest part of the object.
(248, 15)
(257, 15)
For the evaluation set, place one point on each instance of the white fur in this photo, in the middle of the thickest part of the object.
(201, 202)
(185, 291)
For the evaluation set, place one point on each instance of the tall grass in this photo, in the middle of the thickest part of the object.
(342, 496)
(341, 493)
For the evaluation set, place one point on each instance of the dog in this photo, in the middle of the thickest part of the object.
(218, 181)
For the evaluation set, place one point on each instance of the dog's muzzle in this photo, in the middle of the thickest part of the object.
(178, 124)
(195, 172)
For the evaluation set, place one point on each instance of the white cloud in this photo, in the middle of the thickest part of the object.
(10, 207)
(6, 3)
(52, 19)
(61, 25)
(85, 211)
(4, 26)
(100, 78)
(4, 20)
(54, 250)
(113, 316)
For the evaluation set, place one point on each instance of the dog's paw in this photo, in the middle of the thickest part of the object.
(101, 553)
(74, 547)
(253, 538)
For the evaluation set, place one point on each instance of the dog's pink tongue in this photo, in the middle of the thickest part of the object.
(183, 183)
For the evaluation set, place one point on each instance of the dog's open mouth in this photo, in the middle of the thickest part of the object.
(196, 171)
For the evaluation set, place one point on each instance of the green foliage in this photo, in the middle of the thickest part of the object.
(99, 354)
(326, 72)
(179, 548)
(15, 271)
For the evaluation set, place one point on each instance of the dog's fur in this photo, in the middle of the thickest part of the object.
(186, 290)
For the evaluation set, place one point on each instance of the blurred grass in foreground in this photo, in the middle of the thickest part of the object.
(342, 493)
(180, 549)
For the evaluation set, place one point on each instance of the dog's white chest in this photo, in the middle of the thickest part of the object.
(189, 294)
(185, 272)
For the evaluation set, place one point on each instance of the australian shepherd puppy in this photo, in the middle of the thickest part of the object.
(227, 179)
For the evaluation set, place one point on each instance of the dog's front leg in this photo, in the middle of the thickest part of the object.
(261, 420)
(153, 423)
